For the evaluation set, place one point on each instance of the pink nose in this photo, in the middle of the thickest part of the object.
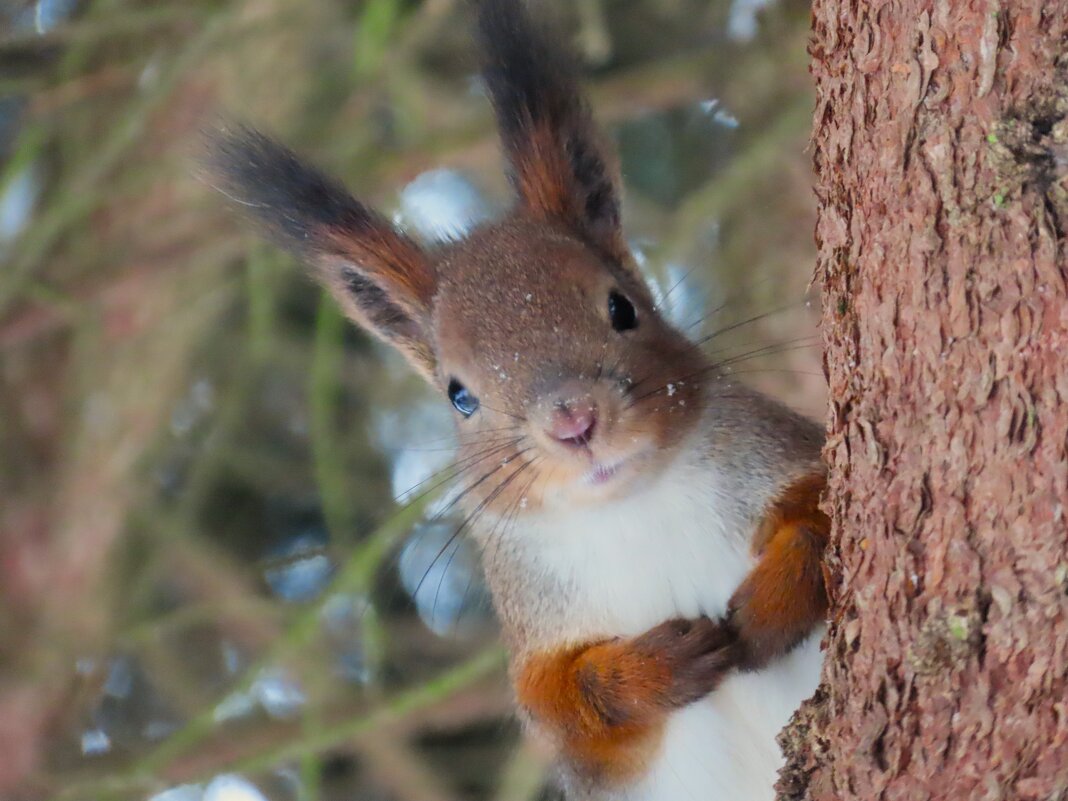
(572, 422)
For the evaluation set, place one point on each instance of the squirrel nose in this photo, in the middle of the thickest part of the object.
(572, 422)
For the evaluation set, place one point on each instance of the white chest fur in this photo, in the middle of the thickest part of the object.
(674, 550)
(723, 748)
(677, 549)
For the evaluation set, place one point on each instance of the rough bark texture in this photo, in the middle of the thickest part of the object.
(941, 151)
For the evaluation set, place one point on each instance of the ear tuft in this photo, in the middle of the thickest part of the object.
(559, 164)
(530, 80)
(291, 199)
(381, 278)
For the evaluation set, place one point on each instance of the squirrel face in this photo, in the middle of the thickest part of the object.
(568, 385)
(557, 354)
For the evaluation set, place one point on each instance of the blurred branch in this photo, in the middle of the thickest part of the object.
(80, 197)
(81, 194)
(260, 279)
(722, 192)
(355, 576)
(393, 711)
(373, 35)
(146, 775)
(89, 31)
(595, 41)
(526, 772)
(323, 396)
(399, 769)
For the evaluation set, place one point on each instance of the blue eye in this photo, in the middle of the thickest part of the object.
(465, 403)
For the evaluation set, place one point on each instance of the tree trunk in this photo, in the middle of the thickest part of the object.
(941, 153)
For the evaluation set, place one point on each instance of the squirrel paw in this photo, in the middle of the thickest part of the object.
(697, 653)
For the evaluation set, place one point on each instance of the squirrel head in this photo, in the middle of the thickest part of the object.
(568, 386)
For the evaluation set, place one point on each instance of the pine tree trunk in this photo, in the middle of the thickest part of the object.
(941, 156)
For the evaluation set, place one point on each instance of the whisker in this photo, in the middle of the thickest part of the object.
(520, 418)
(491, 440)
(471, 517)
(492, 558)
(697, 346)
(441, 579)
(457, 439)
(698, 354)
(770, 350)
(460, 474)
(462, 468)
(460, 465)
(777, 370)
(808, 338)
(718, 367)
(730, 301)
(659, 305)
(467, 490)
(750, 321)
(441, 514)
(600, 363)
(510, 517)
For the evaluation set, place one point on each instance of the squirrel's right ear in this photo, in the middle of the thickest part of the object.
(559, 162)
(382, 279)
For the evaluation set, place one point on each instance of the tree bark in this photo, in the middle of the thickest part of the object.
(941, 153)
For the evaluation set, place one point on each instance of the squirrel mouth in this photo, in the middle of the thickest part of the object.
(601, 473)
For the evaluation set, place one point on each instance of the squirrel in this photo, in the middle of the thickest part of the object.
(650, 531)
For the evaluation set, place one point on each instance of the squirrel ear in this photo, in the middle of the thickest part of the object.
(559, 164)
(381, 278)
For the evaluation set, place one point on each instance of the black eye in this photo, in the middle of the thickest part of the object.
(465, 403)
(621, 312)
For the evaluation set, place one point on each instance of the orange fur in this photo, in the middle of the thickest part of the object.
(784, 596)
(605, 703)
(391, 259)
(550, 191)
(544, 176)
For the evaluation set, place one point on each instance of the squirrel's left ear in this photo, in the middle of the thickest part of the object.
(381, 279)
(558, 160)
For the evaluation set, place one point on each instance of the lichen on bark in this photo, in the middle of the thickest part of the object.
(940, 144)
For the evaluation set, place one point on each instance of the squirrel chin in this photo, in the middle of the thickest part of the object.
(603, 481)
(602, 473)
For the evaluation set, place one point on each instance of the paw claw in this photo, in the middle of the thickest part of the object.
(699, 653)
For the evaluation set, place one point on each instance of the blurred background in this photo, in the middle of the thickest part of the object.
(224, 570)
